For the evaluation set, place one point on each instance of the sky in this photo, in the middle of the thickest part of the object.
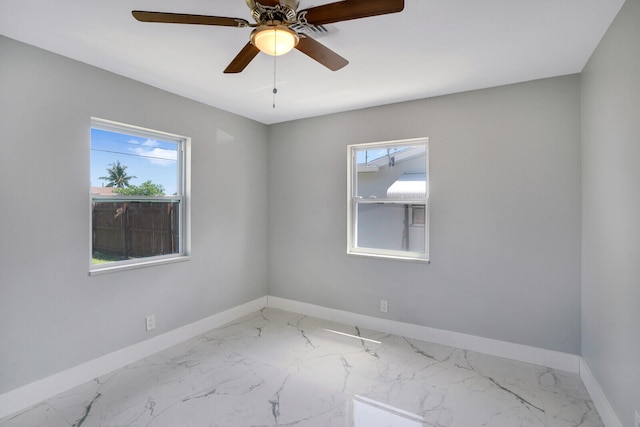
(370, 155)
(146, 159)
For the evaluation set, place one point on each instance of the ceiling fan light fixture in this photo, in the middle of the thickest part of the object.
(274, 40)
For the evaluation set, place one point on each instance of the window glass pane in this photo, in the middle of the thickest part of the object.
(134, 229)
(388, 226)
(120, 161)
(394, 171)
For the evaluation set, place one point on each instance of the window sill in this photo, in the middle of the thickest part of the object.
(388, 256)
(108, 268)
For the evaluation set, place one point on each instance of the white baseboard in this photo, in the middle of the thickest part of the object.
(23, 397)
(549, 358)
(603, 406)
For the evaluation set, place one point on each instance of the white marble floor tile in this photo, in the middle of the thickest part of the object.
(276, 368)
(568, 411)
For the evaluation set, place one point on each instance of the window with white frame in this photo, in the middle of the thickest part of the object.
(139, 196)
(388, 199)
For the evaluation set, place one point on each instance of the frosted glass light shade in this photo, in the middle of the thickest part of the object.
(274, 40)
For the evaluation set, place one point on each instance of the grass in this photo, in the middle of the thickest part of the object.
(102, 258)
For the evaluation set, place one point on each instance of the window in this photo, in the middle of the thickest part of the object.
(388, 206)
(139, 190)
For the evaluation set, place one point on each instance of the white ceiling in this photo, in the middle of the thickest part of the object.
(433, 47)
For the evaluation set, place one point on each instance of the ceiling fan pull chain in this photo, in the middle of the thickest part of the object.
(275, 90)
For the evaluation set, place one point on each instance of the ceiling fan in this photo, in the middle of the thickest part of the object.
(274, 32)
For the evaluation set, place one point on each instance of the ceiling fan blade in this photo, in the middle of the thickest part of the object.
(351, 9)
(242, 59)
(184, 18)
(321, 53)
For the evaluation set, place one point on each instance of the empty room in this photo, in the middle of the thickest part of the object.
(355, 213)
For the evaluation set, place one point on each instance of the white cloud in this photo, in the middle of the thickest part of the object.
(147, 143)
(157, 156)
(150, 143)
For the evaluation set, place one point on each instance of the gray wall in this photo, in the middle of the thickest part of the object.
(505, 207)
(54, 316)
(610, 216)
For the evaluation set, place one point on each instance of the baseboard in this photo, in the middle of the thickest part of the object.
(549, 358)
(603, 406)
(23, 397)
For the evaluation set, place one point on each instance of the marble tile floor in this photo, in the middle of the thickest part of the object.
(276, 368)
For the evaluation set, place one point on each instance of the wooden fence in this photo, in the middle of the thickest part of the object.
(135, 229)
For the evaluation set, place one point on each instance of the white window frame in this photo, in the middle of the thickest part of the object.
(353, 201)
(184, 198)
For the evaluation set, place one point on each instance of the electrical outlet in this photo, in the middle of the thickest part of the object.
(150, 322)
(384, 305)
(637, 422)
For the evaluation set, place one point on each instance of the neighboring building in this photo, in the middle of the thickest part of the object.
(102, 191)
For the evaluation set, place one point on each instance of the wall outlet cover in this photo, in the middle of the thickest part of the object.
(637, 420)
(150, 322)
(384, 305)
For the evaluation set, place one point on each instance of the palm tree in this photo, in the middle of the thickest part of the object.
(117, 175)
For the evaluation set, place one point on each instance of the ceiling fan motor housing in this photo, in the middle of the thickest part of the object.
(284, 12)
